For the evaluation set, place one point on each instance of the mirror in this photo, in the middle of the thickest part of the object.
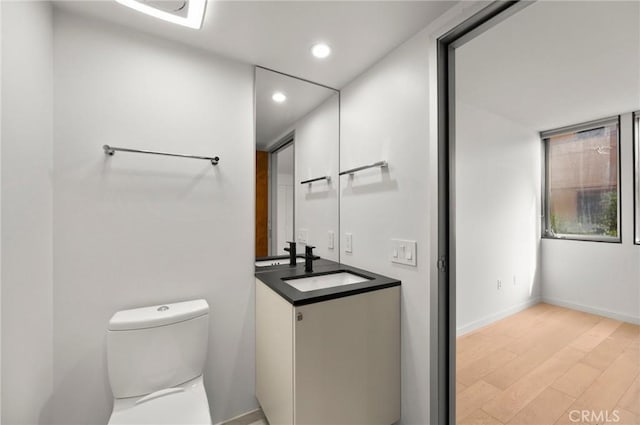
(297, 148)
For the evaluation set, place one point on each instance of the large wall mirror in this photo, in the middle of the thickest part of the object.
(297, 148)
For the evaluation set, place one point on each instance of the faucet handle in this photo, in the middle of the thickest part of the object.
(308, 252)
(292, 246)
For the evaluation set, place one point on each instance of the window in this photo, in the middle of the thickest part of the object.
(636, 151)
(581, 183)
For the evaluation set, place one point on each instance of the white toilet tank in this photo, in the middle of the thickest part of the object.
(158, 347)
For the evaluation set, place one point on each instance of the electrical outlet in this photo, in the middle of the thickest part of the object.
(302, 236)
(499, 284)
(349, 242)
(404, 252)
(331, 239)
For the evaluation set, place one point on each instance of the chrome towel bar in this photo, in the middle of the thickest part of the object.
(327, 178)
(111, 150)
(380, 164)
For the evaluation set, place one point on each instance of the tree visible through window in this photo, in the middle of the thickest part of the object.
(582, 167)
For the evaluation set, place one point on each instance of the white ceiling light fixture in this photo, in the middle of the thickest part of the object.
(279, 97)
(190, 14)
(321, 50)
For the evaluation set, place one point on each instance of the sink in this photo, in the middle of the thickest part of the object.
(276, 262)
(323, 281)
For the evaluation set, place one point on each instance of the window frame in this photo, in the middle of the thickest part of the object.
(546, 206)
(636, 176)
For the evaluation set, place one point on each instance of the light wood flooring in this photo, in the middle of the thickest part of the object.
(539, 365)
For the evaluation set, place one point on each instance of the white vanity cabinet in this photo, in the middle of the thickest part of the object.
(330, 362)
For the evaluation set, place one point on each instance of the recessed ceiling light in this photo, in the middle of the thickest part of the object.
(195, 13)
(321, 50)
(279, 97)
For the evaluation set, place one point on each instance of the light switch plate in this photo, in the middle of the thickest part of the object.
(348, 242)
(404, 252)
(302, 235)
(331, 239)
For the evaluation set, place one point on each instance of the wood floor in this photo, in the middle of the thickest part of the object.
(546, 365)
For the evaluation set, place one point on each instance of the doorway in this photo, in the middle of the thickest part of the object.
(282, 196)
(275, 198)
(534, 215)
(443, 302)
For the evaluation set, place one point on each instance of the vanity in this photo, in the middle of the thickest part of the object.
(327, 345)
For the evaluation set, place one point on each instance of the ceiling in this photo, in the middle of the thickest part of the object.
(279, 34)
(274, 119)
(555, 64)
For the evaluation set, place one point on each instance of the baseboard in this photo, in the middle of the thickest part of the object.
(487, 320)
(592, 310)
(257, 412)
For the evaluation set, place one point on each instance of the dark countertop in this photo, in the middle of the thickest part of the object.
(272, 277)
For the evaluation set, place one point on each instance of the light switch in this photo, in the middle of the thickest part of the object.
(349, 241)
(403, 252)
(331, 239)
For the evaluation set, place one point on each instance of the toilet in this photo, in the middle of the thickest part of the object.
(155, 358)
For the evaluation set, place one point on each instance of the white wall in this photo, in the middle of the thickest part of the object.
(384, 117)
(497, 214)
(601, 278)
(316, 155)
(135, 230)
(390, 113)
(27, 331)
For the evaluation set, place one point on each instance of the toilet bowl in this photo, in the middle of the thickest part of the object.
(184, 404)
(156, 357)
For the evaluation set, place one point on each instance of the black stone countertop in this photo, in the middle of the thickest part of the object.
(273, 278)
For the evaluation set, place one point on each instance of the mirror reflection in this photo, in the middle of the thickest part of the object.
(297, 148)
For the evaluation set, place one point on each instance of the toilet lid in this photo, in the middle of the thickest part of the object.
(185, 404)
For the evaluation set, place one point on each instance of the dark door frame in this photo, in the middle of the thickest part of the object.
(443, 299)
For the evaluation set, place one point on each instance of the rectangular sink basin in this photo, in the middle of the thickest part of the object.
(276, 262)
(313, 283)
